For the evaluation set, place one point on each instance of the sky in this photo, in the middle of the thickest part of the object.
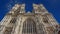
(53, 6)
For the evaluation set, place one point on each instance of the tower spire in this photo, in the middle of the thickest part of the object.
(20, 8)
(39, 8)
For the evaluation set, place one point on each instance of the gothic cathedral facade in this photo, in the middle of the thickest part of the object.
(39, 21)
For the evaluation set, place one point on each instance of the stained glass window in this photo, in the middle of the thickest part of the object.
(29, 27)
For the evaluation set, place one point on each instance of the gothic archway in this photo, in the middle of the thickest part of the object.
(29, 27)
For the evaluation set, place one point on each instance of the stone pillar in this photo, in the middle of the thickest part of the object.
(17, 26)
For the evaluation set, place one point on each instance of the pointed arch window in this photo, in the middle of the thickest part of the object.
(45, 19)
(13, 20)
(29, 27)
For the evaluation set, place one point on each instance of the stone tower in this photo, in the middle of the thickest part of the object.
(39, 21)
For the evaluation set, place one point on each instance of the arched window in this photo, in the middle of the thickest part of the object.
(13, 20)
(29, 27)
(45, 19)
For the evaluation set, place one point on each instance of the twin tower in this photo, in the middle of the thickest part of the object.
(39, 21)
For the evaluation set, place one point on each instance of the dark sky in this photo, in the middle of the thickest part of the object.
(53, 6)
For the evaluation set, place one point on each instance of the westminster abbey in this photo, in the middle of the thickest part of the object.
(39, 21)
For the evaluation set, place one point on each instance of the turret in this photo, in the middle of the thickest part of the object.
(20, 8)
(39, 8)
